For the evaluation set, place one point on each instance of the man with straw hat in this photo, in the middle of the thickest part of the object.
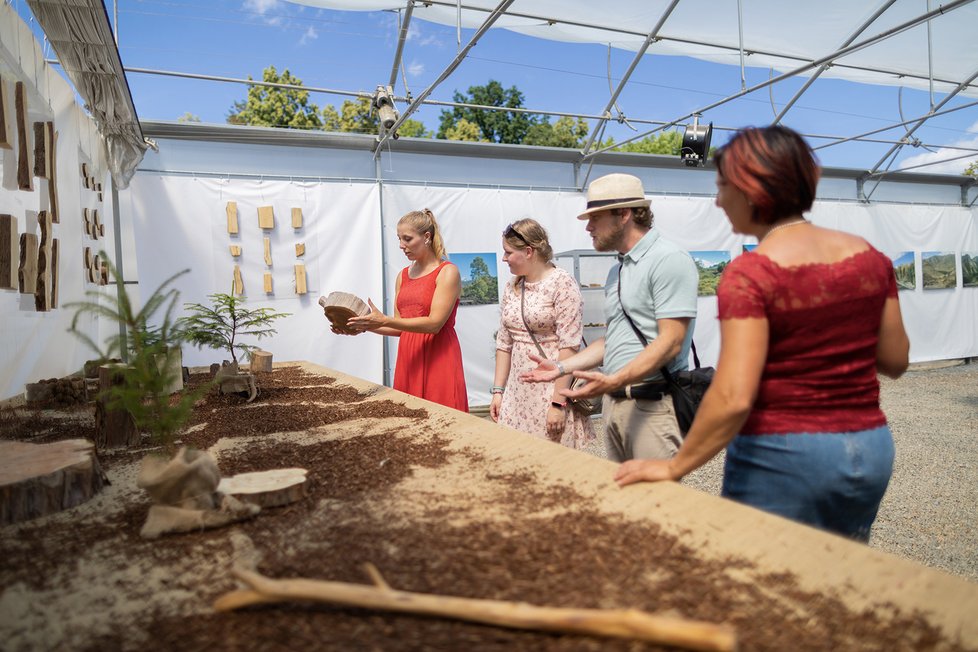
(650, 308)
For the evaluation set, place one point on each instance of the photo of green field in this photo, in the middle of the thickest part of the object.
(906, 272)
(969, 269)
(938, 270)
(710, 265)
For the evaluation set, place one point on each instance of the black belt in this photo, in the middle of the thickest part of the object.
(646, 391)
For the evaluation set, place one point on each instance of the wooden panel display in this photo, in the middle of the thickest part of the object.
(238, 281)
(25, 168)
(9, 254)
(300, 249)
(27, 272)
(266, 217)
(42, 291)
(268, 283)
(300, 279)
(296, 218)
(54, 273)
(232, 213)
(88, 222)
(268, 251)
(235, 250)
(52, 140)
(6, 116)
(42, 150)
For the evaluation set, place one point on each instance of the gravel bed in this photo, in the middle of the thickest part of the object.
(930, 512)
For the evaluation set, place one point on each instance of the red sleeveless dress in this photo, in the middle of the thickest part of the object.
(429, 365)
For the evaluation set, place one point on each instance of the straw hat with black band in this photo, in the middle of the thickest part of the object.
(614, 191)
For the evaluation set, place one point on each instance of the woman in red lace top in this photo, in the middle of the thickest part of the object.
(807, 320)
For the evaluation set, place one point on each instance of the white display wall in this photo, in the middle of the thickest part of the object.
(180, 222)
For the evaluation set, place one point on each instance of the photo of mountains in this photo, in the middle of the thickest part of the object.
(969, 269)
(906, 272)
(710, 265)
(938, 270)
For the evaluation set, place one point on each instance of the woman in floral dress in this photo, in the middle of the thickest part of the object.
(547, 299)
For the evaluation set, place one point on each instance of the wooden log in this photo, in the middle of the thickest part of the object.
(300, 279)
(53, 173)
(25, 168)
(27, 272)
(42, 150)
(618, 623)
(55, 255)
(41, 479)
(114, 427)
(232, 213)
(7, 119)
(296, 218)
(266, 217)
(261, 361)
(9, 254)
(235, 250)
(266, 488)
(300, 249)
(268, 250)
(238, 281)
(267, 282)
(340, 307)
(42, 292)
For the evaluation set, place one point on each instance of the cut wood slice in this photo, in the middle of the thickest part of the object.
(340, 307)
(266, 488)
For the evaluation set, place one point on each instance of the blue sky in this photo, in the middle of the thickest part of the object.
(353, 51)
(903, 258)
(711, 258)
(464, 263)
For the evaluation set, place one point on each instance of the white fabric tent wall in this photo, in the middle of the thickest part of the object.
(179, 218)
(37, 344)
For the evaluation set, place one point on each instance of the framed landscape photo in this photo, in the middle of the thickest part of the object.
(710, 265)
(938, 270)
(969, 269)
(480, 280)
(905, 270)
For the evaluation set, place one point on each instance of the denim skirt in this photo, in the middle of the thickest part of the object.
(833, 481)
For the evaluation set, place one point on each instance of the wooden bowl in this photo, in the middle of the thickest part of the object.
(340, 307)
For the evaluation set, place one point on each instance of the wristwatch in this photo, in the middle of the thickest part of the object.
(559, 406)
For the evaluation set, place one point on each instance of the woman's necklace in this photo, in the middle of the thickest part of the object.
(783, 226)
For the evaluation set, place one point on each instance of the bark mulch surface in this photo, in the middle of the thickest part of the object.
(553, 548)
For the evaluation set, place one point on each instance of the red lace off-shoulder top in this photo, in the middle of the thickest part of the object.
(824, 320)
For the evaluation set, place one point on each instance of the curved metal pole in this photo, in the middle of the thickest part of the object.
(628, 73)
(852, 37)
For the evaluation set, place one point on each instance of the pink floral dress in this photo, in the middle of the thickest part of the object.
(554, 309)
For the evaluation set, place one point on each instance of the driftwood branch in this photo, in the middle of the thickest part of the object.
(627, 623)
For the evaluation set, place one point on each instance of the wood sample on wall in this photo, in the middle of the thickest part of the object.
(268, 283)
(88, 223)
(27, 271)
(87, 258)
(52, 141)
(104, 275)
(54, 273)
(300, 279)
(84, 174)
(101, 230)
(300, 249)
(296, 218)
(42, 290)
(96, 224)
(235, 250)
(238, 281)
(266, 217)
(9, 254)
(6, 117)
(268, 251)
(25, 168)
(232, 211)
(42, 150)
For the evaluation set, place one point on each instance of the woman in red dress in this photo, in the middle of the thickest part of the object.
(807, 320)
(429, 358)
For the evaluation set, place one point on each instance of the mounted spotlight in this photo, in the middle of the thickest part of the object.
(384, 105)
(696, 143)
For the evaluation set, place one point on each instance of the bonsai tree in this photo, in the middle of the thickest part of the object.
(144, 387)
(220, 325)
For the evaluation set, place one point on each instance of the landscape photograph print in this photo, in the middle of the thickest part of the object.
(906, 272)
(938, 270)
(710, 265)
(480, 280)
(969, 269)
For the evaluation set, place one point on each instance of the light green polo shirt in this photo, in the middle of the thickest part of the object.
(658, 280)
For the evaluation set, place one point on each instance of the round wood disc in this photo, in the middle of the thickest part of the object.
(340, 307)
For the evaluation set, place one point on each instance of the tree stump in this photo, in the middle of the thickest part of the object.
(41, 479)
(114, 428)
(261, 361)
(266, 488)
(232, 381)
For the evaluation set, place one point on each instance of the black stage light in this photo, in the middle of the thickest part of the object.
(696, 143)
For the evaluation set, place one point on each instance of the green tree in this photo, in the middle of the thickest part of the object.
(357, 116)
(494, 126)
(972, 170)
(218, 326)
(464, 130)
(566, 132)
(664, 142)
(268, 106)
(482, 287)
(189, 117)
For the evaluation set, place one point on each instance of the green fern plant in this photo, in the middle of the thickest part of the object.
(145, 382)
(222, 324)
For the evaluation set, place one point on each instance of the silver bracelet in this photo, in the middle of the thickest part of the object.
(560, 367)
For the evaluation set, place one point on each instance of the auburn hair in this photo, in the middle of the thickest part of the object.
(774, 167)
(529, 233)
